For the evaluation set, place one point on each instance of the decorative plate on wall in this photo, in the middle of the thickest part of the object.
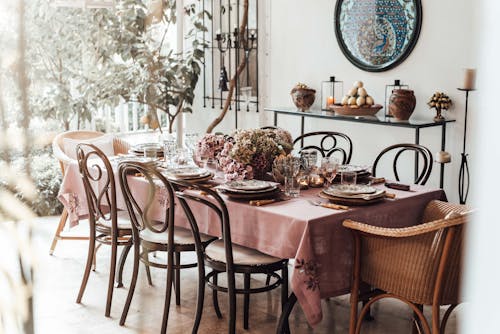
(377, 35)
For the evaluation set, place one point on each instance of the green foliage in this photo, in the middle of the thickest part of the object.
(146, 66)
(83, 59)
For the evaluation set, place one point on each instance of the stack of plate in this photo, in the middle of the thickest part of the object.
(139, 149)
(353, 194)
(188, 173)
(362, 172)
(249, 189)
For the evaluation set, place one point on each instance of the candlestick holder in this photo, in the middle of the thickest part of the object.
(331, 93)
(464, 175)
(388, 91)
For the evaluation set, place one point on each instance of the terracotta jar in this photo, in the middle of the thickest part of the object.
(402, 103)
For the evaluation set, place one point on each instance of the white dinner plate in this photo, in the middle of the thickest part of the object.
(189, 171)
(352, 168)
(350, 190)
(248, 185)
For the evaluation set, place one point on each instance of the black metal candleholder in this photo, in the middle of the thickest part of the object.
(388, 88)
(331, 93)
(464, 175)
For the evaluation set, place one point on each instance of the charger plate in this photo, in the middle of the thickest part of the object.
(351, 201)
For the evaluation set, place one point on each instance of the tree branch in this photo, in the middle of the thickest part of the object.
(232, 83)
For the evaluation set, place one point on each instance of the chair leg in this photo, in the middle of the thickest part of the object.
(112, 272)
(284, 295)
(268, 279)
(215, 298)
(435, 318)
(177, 278)
(135, 272)
(231, 296)
(201, 295)
(168, 295)
(88, 266)
(94, 266)
(246, 299)
(416, 323)
(446, 317)
(60, 227)
(123, 258)
(145, 256)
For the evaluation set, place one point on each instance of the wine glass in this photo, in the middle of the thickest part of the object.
(328, 168)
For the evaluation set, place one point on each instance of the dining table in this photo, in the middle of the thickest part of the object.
(313, 236)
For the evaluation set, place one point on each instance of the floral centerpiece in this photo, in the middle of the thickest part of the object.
(246, 154)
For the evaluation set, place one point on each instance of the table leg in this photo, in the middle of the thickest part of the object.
(302, 131)
(443, 147)
(417, 141)
(275, 118)
(283, 321)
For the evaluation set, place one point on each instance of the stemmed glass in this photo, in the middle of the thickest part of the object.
(169, 151)
(328, 168)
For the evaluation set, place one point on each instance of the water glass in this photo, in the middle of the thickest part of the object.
(181, 156)
(169, 150)
(292, 186)
(150, 152)
(328, 168)
(348, 178)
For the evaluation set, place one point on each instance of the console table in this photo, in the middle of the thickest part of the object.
(412, 123)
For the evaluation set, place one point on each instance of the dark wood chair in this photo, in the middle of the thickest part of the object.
(419, 265)
(107, 225)
(222, 256)
(420, 152)
(155, 236)
(330, 143)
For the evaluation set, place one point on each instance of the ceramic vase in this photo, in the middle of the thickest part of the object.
(402, 103)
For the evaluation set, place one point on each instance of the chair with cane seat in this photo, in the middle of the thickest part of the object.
(153, 235)
(222, 256)
(107, 226)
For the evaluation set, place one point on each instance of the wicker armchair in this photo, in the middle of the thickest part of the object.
(419, 265)
(119, 145)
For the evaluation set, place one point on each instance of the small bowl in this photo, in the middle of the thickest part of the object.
(303, 98)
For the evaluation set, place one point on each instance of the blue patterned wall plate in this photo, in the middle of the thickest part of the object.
(377, 35)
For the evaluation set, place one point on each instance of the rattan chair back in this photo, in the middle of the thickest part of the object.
(421, 152)
(330, 143)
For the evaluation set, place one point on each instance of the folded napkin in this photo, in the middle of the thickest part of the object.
(377, 180)
(334, 206)
(261, 202)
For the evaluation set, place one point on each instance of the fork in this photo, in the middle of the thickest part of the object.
(328, 205)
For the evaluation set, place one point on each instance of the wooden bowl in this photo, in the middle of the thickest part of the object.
(364, 110)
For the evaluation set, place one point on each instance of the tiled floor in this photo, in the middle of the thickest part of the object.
(58, 279)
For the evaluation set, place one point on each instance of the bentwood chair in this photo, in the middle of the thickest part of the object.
(107, 225)
(330, 143)
(64, 158)
(421, 152)
(419, 265)
(155, 236)
(222, 256)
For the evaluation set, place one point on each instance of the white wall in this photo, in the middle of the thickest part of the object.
(298, 43)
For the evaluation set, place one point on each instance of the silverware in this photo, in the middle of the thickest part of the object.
(328, 205)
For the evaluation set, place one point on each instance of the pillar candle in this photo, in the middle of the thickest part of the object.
(469, 78)
(329, 101)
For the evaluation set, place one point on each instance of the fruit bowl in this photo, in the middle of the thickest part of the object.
(364, 110)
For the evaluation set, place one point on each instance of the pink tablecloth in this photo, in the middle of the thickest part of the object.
(294, 229)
